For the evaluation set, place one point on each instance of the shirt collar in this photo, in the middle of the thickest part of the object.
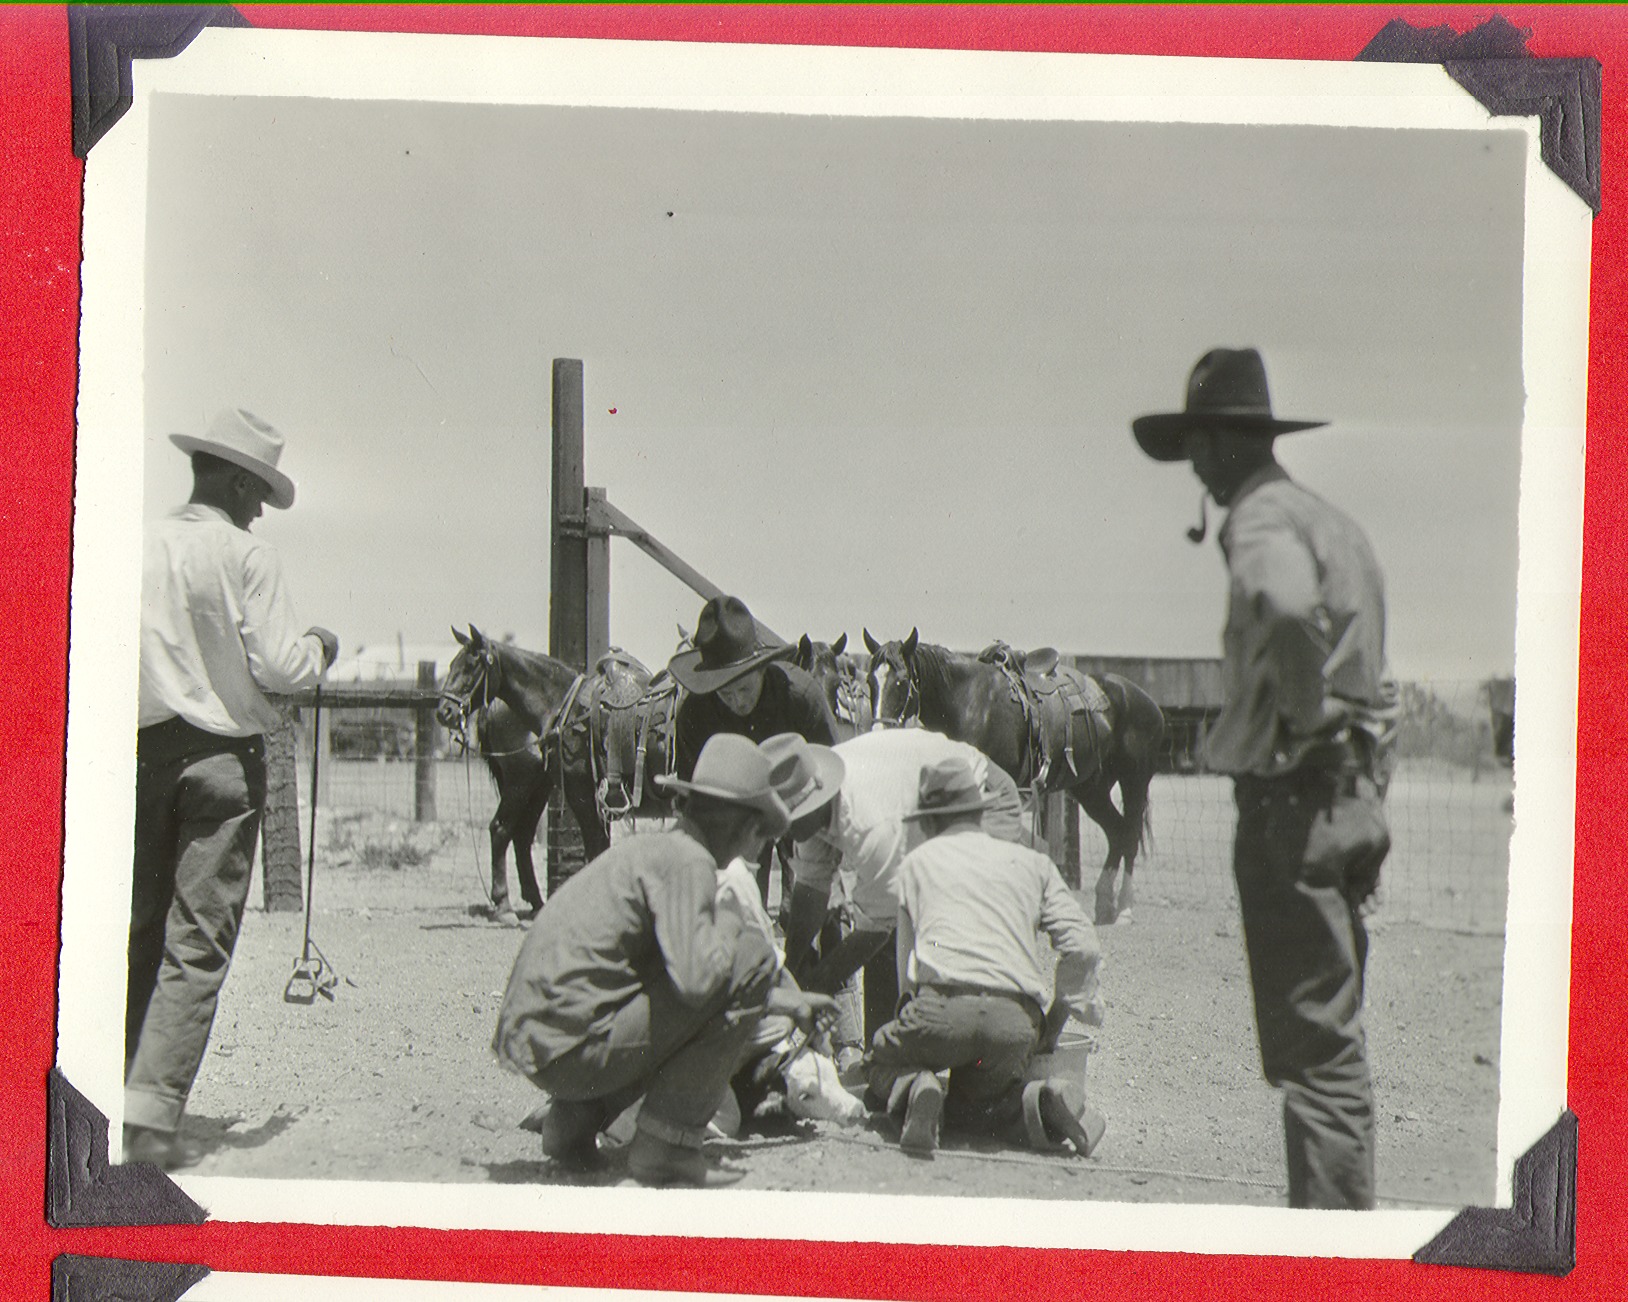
(201, 511)
(1270, 473)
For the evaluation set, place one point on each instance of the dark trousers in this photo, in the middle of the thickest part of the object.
(984, 1040)
(1307, 853)
(198, 803)
(678, 1058)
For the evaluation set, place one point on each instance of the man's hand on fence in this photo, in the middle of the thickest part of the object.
(330, 644)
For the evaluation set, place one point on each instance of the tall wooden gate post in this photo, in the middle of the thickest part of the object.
(579, 571)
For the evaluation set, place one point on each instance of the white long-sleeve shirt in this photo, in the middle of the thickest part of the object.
(971, 911)
(218, 628)
(868, 836)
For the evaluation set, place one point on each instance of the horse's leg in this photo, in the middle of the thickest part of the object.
(1094, 798)
(1133, 795)
(525, 837)
(499, 832)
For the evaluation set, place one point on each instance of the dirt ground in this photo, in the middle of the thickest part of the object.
(393, 1078)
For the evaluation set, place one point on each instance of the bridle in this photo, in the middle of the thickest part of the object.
(486, 681)
(909, 713)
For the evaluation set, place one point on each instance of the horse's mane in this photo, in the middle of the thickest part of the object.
(537, 659)
(931, 679)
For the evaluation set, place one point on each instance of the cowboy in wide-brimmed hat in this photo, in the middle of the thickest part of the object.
(633, 984)
(1305, 729)
(727, 647)
(243, 442)
(736, 680)
(978, 1000)
(218, 637)
(1227, 428)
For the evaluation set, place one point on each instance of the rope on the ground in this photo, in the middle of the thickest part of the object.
(1064, 1164)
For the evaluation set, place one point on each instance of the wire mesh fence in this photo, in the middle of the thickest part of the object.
(1449, 807)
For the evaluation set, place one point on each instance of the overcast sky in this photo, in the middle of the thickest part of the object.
(863, 372)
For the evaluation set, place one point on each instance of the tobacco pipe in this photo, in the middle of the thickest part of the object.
(1201, 530)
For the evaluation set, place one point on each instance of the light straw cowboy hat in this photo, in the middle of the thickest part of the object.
(248, 442)
(948, 786)
(727, 646)
(732, 769)
(805, 774)
(1226, 390)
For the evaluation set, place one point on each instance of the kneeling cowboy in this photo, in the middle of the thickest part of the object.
(977, 1002)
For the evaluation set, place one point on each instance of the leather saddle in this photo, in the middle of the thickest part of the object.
(1068, 715)
(623, 717)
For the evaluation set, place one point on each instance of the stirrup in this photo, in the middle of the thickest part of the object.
(613, 811)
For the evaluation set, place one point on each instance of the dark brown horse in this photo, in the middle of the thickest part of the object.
(841, 678)
(523, 780)
(1059, 741)
(603, 735)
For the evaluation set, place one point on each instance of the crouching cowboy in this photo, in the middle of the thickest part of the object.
(976, 1000)
(633, 984)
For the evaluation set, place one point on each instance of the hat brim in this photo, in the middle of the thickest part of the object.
(282, 487)
(1164, 436)
(966, 807)
(686, 668)
(765, 802)
(829, 772)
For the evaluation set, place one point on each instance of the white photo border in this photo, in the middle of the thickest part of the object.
(99, 805)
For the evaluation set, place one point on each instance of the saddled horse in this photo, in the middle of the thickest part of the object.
(1046, 724)
(841, 677)
(603, 736)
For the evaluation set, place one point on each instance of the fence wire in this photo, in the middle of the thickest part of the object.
(1449, 807)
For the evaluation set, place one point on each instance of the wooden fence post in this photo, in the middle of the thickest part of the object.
(280, 886)
(424, 737)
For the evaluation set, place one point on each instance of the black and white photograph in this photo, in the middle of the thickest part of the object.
(926, 637)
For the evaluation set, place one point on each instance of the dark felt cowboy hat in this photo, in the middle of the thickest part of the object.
(1227, 390)
(733, 769)
(727, 647)
(248, 442)
(948, 786)
(806, 775)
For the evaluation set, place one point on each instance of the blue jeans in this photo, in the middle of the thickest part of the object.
(198, 803)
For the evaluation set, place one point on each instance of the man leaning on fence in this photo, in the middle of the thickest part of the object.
(1306, 732)
(217, 633)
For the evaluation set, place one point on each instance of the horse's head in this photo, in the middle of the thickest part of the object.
(839, 677)
(471, 682)
(895, 689)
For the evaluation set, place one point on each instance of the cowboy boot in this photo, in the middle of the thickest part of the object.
(1056, 1116)
(661, 1163)
(570, 1131)
(923, 1109)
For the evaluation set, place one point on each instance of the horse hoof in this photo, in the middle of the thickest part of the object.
(1126, 917)
(1105, 917)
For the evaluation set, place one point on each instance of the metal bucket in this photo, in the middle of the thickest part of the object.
(1068, 1061)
